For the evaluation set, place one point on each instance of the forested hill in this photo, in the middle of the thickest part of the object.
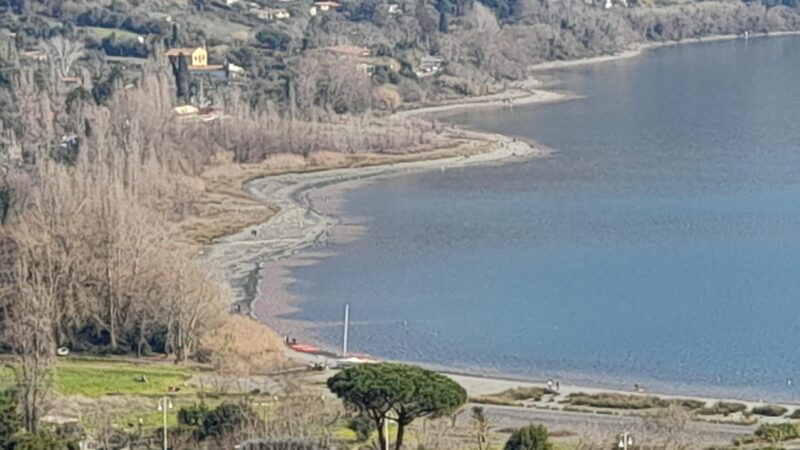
(481, 44)
(127, 129)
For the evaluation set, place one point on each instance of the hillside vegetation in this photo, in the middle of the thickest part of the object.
(115, 142)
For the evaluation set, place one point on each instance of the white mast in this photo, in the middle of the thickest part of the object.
(346, 326)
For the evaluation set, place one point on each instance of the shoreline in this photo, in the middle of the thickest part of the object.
(298, 225)
(521, 92)
(641, 49)
(290, 192)
(519, 96)
(482, 385)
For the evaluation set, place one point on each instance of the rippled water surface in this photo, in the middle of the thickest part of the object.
(660, 244)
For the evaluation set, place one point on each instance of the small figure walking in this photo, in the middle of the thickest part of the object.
(550, 384)
(558, 386)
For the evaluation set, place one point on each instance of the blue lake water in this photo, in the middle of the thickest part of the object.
(659, 245)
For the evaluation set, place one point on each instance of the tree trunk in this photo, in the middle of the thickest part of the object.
(381, 436)
(401, 429)
(113, 326)
(112, 329)
(142, 340)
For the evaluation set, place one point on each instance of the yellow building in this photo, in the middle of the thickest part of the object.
(198, 57)
(185, 110)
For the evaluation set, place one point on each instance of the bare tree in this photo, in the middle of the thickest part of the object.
(480, 422)
(669, 428)
(63, 54)
(29, 330)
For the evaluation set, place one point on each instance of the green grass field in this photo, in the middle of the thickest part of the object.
(100, 33)
(95, 378)
(118, 388)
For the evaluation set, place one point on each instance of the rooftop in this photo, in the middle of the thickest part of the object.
(207, 68)
(186, 51)
(349, 50)
(33, 54)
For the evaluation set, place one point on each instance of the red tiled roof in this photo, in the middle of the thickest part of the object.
(179, 52)
(207, 68)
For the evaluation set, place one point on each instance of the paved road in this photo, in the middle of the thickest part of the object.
(598, 426)
(603, 425)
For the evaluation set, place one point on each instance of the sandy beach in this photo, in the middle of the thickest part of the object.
(521, 94)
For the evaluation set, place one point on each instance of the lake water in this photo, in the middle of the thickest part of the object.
(659, 245)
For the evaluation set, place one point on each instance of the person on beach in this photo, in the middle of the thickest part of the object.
(550, 384)
(558, 386)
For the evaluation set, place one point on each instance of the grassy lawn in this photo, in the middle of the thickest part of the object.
(97, 377)
(126, 59)
(100, 33)
(50, 21)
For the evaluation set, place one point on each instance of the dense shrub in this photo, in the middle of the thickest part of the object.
(362, 426)
(5, 202)
(723, 408)
(769, 410)
(777, 432)
(193, 415)
(513, 396)
(688, 403)
(227, 419)
(274, 40)
(9, 417)
(285, 444)
(224, 420)
(617, 401)
(532, 437)
(105, 18)
(124, 47)
(42, 439)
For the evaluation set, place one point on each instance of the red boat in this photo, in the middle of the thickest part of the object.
(303, 348)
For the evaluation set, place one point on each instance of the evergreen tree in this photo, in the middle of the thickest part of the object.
(408, 392)
(442, 23)
(175, 37)
(180, 69)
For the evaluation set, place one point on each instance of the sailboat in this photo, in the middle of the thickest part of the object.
(346, 359)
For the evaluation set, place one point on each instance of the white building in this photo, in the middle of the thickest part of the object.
(270, 14)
